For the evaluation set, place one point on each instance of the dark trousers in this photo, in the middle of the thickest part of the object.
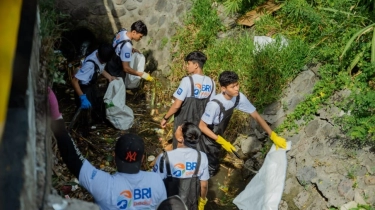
(95, 113)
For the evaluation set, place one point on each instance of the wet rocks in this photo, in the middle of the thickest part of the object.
(320, 168)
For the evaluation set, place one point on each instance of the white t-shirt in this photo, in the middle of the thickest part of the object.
(183, 162)
(202, 87)
(212, 111)
(144, 190)
(85, 73)
(126, 51)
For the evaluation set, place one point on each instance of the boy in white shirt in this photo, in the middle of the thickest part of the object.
(85, 80)
(119, 65)
(216, 118)
(86, 88)
(192, 95)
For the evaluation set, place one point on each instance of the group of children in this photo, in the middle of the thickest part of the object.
(200, 118)
(196, 102)
(111, 61)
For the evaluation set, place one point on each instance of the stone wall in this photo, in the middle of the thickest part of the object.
(106, 17)
(323, 171)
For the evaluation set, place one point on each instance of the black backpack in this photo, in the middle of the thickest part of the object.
(96, 73)
(114, 66)
(187, 188)
(123, 42)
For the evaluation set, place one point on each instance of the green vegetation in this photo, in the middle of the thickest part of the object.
(163, 42)
(239, 6)
(51, 28)
(363, 207)
(338, 34)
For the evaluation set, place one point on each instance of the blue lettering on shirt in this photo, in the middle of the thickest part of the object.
(127, 55)
(81, 70)
(191, 165)
(206, 114)
(206, 88)
(142, 193)
(93, 174)
(179, 91)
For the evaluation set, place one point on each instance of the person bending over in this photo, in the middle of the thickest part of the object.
(85, 85)
(119, 65)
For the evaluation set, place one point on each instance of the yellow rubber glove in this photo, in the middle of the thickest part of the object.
(147, 77)
(202, 203)
(278, 141)
(225, 144)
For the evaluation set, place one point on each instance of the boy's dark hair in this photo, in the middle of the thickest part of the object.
(198, 57)
(191, 133)
(227, 77)
(139, 27)
(172, 203)
(105, 52)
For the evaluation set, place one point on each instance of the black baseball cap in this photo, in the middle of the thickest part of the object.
(172, 203)
(129, 152)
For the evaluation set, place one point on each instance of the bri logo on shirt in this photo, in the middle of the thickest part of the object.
(205, 90)
(186, 169)
(140, 197)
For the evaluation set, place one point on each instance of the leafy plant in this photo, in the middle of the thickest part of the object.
(363, 207)
(163, 42)
(360, 124)
(51, 27)
(360, 54)
(232, 6)
(240, 6)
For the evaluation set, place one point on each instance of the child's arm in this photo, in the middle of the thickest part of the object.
(172, 110)
(277, 140)
(76, 87)
(261, 122)
(85, 103)
(108, 76)
(68, 150)
(208, 132)
(126, 67)
(219, 139)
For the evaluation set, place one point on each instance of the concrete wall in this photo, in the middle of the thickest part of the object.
(24, 174)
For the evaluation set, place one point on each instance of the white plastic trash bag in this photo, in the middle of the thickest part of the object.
(120, 115)
(261, 41)
(266, 188)
(137, 63)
